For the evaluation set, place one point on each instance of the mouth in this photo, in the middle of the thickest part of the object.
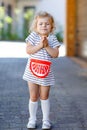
(44, 29)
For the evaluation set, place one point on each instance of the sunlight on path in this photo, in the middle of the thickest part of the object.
(13, 50)
(18, 50)
(62, 51)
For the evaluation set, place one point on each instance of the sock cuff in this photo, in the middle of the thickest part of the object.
(33, 102)
(44, 101)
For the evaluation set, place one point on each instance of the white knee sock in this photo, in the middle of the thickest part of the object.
(33, 110)
(45, 105)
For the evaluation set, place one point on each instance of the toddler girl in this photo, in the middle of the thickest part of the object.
(42, 45)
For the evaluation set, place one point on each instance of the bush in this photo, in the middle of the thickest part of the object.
(59, 36)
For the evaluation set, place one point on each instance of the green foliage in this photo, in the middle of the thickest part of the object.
(27, 19)
(2, 13)
(6, 22)
(5, 33)
(59, 34)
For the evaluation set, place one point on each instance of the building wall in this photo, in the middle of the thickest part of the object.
(7, 3)
(21, 4)
(70, 29)
(56, 8)
(82, 28)
(76, 28)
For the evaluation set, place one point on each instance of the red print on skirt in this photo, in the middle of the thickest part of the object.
(40, 68)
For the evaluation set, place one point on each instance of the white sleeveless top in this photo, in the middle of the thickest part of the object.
(34, 39)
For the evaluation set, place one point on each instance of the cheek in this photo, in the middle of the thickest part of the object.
(50, 29)
(38, 27)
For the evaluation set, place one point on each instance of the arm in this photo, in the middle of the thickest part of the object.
(53, 52)
(31, 49)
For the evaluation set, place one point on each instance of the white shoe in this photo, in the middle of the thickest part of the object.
(46, 125)
(31, 125)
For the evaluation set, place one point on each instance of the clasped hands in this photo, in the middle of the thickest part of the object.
(44, 42)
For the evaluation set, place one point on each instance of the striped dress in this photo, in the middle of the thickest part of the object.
(34, 39)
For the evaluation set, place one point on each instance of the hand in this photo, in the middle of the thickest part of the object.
(45, 41)
(41, 43)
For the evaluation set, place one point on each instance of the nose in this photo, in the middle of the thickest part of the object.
(44, 25)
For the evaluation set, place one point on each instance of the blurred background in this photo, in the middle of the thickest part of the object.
(16, 17)
(70, 17)
(69, 97)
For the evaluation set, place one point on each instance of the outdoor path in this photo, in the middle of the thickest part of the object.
(68, 98)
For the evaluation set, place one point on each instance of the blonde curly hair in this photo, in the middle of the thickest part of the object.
(42, 15)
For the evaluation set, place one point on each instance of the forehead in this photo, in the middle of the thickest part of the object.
(44, 19)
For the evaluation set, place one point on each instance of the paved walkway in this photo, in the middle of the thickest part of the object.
(68, 98)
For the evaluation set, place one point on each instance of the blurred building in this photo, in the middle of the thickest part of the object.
(16, 10)
(75, 24)
(76, 28)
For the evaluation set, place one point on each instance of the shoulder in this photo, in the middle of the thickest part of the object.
(52, 36)
(54, 41)
(32, 37)
(33, 34)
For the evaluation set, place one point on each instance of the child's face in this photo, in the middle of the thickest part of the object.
(44, 26)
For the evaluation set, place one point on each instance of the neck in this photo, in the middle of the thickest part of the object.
(44, 35)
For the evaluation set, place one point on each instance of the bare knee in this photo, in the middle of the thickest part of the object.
(34, 98)
(44, 96)
(44, 92)
(34, 91)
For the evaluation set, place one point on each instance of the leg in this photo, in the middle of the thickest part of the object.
(45, 105)
(34, 91)
(44, 92)
(33, 104)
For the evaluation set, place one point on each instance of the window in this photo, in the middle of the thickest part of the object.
(2, 4)
(9, 10)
